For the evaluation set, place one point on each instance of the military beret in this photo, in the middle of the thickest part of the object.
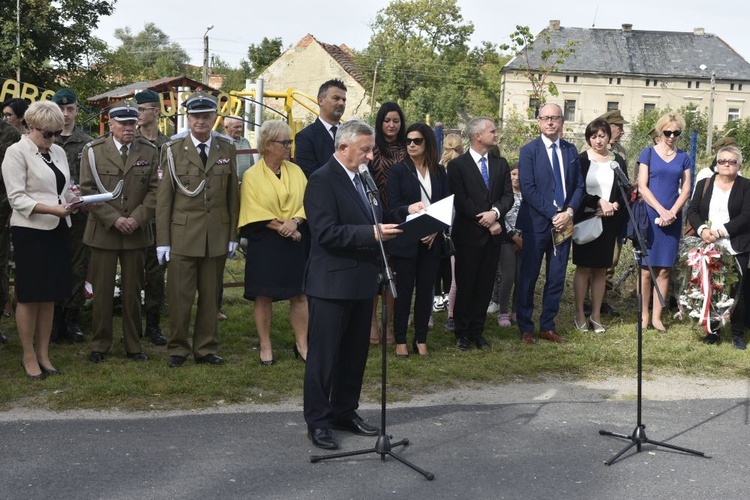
(65, 96)
(614, 117)
(201, 102)
(124, 111)
(724, 141)
(145, 96)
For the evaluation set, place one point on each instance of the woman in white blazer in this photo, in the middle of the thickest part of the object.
(36, 176)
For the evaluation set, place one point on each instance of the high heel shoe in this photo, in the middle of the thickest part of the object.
(50, 371)
(402, 355)
(598, 327)
(32, 377)
(268, 363)
(297, 354)
(415, 349)
(581, 328)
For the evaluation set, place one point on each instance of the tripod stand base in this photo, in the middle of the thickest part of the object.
(638, 437)
(383, 447)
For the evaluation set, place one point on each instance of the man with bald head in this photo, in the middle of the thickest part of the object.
(552, 189)
(234, 128)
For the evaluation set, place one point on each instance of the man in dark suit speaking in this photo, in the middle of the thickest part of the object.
(340, 281)
(552, 189)
(313, 145)
(483, 195)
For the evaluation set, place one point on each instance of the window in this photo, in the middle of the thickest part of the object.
(697, 85)
(533, 110)
(648, 82)
(575, 79)
(655, 82)
(731, 86)
(690, 84)
(611, 80)
(567, 78)
(613, 106)
(570, 110)
(619, 81)
(739, 87)
(733, 114)
(648, 107)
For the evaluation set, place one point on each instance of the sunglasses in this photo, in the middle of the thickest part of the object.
(287, 143)
(50, 135)
(416, 140)
(670, 133)
(731, 162)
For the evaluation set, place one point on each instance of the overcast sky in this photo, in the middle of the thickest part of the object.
(239, 24)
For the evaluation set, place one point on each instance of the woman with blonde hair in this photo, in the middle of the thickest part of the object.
(453, 146)
(272, 219)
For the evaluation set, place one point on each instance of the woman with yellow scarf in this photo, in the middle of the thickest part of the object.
(272, 220)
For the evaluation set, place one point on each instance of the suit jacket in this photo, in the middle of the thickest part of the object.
(29, 181)
(313, 147)
(538, 185)
(344, 257)
(403, 188)
(591, 201)
(473, 197)
(201, 226)
(137, 200)
(738, 204)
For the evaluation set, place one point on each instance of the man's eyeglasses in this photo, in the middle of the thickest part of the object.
(416, 140)
(670, 133)
(553, 118)
(287, 143)
(50, 135)
(731, 162)
(143, 109)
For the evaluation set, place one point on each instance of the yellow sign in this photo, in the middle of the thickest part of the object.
(12, 88)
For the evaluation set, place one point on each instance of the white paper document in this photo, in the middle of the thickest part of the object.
(91, 198)
(437, 217)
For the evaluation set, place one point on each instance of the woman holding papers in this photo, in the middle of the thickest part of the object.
(36, 175)
(419, 178)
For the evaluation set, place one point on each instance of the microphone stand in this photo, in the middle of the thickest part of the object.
(383, 445)
(638, 436)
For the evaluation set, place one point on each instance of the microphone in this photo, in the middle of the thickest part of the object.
(369, 182)
(624, 181)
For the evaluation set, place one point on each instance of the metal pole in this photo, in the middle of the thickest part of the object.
(710, 131)
(205, 53)
(18, 47)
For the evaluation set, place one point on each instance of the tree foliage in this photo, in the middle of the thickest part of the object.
(262, 55)
(56, 37)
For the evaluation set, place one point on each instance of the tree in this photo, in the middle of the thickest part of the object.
(552, 57)
(262, 55)
(234, 78)
(56, 37)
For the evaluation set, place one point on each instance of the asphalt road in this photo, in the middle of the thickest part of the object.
(544, 444)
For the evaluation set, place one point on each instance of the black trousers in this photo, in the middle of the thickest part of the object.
(475, 276)
(338, 342)
(419, 270)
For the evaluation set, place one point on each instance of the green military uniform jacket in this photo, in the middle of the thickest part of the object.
(161, 139)
(8, 136)
(73, 146)
(203, 225)
(137, 200)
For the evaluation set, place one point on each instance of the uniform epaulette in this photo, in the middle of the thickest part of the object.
(96, 142)
(224, 138)
(143, 140)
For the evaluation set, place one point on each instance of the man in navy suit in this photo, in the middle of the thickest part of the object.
(340, 281)
(483, 195)
(552, 188)
(313, 145)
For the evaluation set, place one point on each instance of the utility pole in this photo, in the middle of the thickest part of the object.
(18, 47)
(374, 79)
(710, 131)
(205, 53)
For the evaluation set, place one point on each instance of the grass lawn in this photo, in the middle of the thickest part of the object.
(121, 384)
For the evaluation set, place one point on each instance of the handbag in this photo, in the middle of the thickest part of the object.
(640, 217)
(689, 229)
(587, 230)
(447, 249)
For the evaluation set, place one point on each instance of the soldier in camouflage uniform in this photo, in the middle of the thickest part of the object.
(72, 140)
(8, 136)
(149, 107)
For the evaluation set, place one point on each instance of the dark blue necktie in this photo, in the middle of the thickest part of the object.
(360, 190)
(559, 192)
(485, 172)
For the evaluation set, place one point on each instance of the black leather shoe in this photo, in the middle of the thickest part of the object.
(50, 371)
(322, 438)
(711, 339)
(357, 426)
(156, 336)
(739, 342)
(462, 343)
(137, 356)
(481, 343)
(210, 359)
(175, 361)
(96, 357)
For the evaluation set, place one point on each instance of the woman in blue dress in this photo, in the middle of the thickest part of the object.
(664, 183)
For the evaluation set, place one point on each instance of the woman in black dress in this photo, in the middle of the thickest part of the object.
(37, 179)
(272, 220)
(602, 199)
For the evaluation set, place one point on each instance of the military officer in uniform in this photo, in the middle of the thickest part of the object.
(120, 229)
(73, 139)
(149, 107)
(197, 209)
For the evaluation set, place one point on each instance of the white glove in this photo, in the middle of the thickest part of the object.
(232, 248)
(162, 254)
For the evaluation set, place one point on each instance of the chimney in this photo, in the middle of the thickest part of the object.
(699, 31)
(554, 25)
(627, 28)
